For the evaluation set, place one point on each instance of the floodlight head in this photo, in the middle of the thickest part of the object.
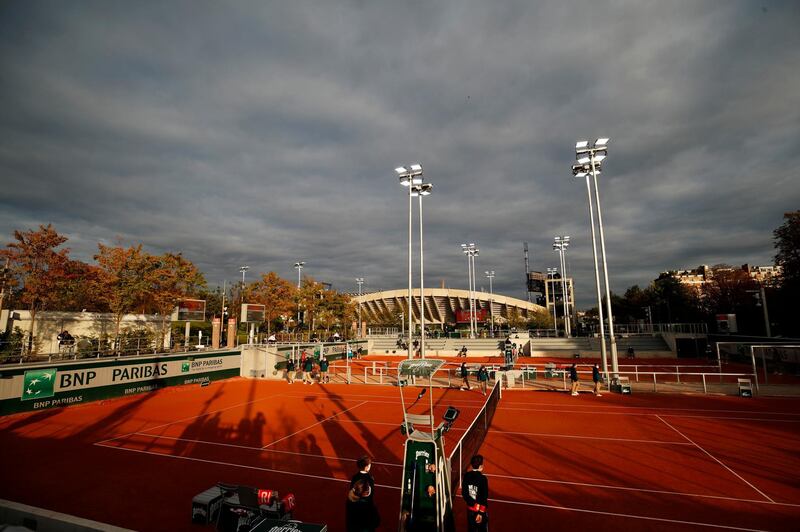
(581, 145)
(566, 238)
(584, 160)
(416, 167)
(425, 189)
(405, 180)
(416, 179)
(601, 142)
(598, 158)
(401, 170)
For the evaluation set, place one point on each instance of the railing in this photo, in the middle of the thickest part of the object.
(383, 331)
(83, 348)
(543, 333)
(655, 328)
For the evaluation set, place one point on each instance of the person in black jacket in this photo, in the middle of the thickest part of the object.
(361, 515)
(573, 377)
(364, 465)
(597, 380)
(475, 490)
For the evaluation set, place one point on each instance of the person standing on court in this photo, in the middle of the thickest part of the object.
(465, 375)
(483, 378)
(361, 515)
(308, 368)
(597, 380)
(323, 370)
(290, 370)
(475, 490)
(573, 376)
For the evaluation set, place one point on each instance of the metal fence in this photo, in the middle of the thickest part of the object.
(83, 348)
(633, 329)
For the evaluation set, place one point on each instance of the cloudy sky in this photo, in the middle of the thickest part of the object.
(262, 133)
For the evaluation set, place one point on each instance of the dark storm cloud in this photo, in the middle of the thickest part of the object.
(266, 133)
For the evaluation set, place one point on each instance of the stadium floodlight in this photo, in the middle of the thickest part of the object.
(597, 153)
(360, 282)
(560, 244)
(423, 189)
(551, 273)
(490, 276)
(410, 176)
(471, 252)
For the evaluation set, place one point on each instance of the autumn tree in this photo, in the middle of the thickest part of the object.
(276, 294)
(124, 275)
(168, 279)
(39, 268)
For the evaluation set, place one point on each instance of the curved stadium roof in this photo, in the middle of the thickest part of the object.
(441, 305)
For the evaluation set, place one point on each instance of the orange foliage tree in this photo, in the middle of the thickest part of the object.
(39, 267)
(276, 294)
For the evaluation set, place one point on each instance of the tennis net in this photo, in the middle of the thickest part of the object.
(471, 441)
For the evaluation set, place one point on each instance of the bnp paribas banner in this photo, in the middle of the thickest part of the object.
(76, 382)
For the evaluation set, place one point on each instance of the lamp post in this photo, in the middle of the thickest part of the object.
(580, 170)
(360, 281)
(490, 276)
(421, 190)
(590, 159)
(409, 176)
(560, 244)
(551, 273)
(470, 251)
(299, 266)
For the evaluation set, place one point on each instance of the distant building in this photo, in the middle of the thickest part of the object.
(699, 276)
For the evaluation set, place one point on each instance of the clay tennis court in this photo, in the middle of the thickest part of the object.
(555, 462)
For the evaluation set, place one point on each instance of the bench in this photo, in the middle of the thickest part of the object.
(745, 387)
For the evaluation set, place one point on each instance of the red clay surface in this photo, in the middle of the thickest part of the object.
(555, 462)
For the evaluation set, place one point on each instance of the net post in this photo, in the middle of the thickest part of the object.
(705, 390)
(678, 373)
(655, 385)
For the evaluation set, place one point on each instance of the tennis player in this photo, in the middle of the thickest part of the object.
(573, 376)
(597, 380)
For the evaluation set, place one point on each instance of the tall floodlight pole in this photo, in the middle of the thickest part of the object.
(409, 176)
(590, 158)
(490, 276)
(551, 273)
(299, 267)
(560, 244)
(420, 191)
(581, 170)
(470, 251)
(360, 282)
(474, 294)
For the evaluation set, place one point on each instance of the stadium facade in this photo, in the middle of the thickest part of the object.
(442, 306)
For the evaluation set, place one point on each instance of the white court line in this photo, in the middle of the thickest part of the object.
(314, 425)
(503, 432)
(595, 413)
(231, 464)
(261, 449)
(717, 460)
(629, 516)
(192, 417)
(623, 488)
(660, 409)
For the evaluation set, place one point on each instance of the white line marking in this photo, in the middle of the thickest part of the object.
(595, 413)
(504, 432)
(629, 516)
(717, 460)
(203, 460)
(314, 425)
(601, 406)
(663, 492)
(261, 449)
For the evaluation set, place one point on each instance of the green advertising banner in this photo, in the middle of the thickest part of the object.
(60, 384)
